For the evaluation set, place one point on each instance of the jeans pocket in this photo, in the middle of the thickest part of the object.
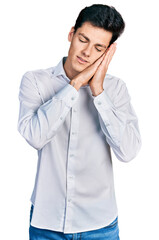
(113, 224)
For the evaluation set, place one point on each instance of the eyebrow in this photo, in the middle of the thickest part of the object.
(98, 44)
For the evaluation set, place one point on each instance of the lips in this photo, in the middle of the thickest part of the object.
(81, 60)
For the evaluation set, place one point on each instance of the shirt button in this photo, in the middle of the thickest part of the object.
(99, 103)
(72, 98)
(71, 155)
(71, 177)
(61, 118)
(75, 110)
(73, 133)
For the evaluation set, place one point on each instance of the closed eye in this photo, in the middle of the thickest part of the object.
(99, 50)
(82, 41)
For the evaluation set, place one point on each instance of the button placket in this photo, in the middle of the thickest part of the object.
(71, 165)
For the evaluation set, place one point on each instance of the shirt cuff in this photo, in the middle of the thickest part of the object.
(68, 94)
(102, 101)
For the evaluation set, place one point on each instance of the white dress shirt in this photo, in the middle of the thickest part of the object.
(73, 132)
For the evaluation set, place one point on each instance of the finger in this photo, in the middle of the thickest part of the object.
(112, 46)
(106, 61)
(109, 55)
(111, 49)
(90, 70)
(99, 60)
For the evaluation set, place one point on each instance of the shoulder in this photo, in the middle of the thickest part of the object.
(37, 77)
(41, 81)
(113, 81)
(39, 74)
(115, 88)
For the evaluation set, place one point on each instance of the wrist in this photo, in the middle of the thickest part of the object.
(75, 83)
(97, 91)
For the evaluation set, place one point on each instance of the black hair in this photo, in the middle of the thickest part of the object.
(102, 16)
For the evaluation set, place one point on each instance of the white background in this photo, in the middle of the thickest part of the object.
(34, 35)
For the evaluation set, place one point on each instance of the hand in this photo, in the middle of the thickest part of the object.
(96, 83)
(84, 77)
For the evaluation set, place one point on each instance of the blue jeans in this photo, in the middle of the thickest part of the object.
(110, 232)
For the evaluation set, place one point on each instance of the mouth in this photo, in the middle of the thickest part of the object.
(81, 60)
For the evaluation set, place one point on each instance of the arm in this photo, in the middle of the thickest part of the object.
(39, 122)
(119, 123)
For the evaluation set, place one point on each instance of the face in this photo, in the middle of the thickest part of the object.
(88, 43)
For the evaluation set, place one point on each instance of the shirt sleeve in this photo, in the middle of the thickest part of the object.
(119, 123)
(39, 122)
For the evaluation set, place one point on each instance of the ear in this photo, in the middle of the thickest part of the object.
(71, 33)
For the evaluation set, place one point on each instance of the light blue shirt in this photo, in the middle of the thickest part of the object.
(73, 132)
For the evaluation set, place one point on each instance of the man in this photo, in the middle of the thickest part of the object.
(73, 114)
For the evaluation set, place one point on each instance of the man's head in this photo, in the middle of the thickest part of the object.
(96, 28)
(102, 16)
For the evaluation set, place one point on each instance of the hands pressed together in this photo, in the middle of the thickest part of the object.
(94, 74)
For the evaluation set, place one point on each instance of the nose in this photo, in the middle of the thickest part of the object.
(87, 51)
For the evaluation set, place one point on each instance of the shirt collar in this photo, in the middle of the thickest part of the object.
(59, 69)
